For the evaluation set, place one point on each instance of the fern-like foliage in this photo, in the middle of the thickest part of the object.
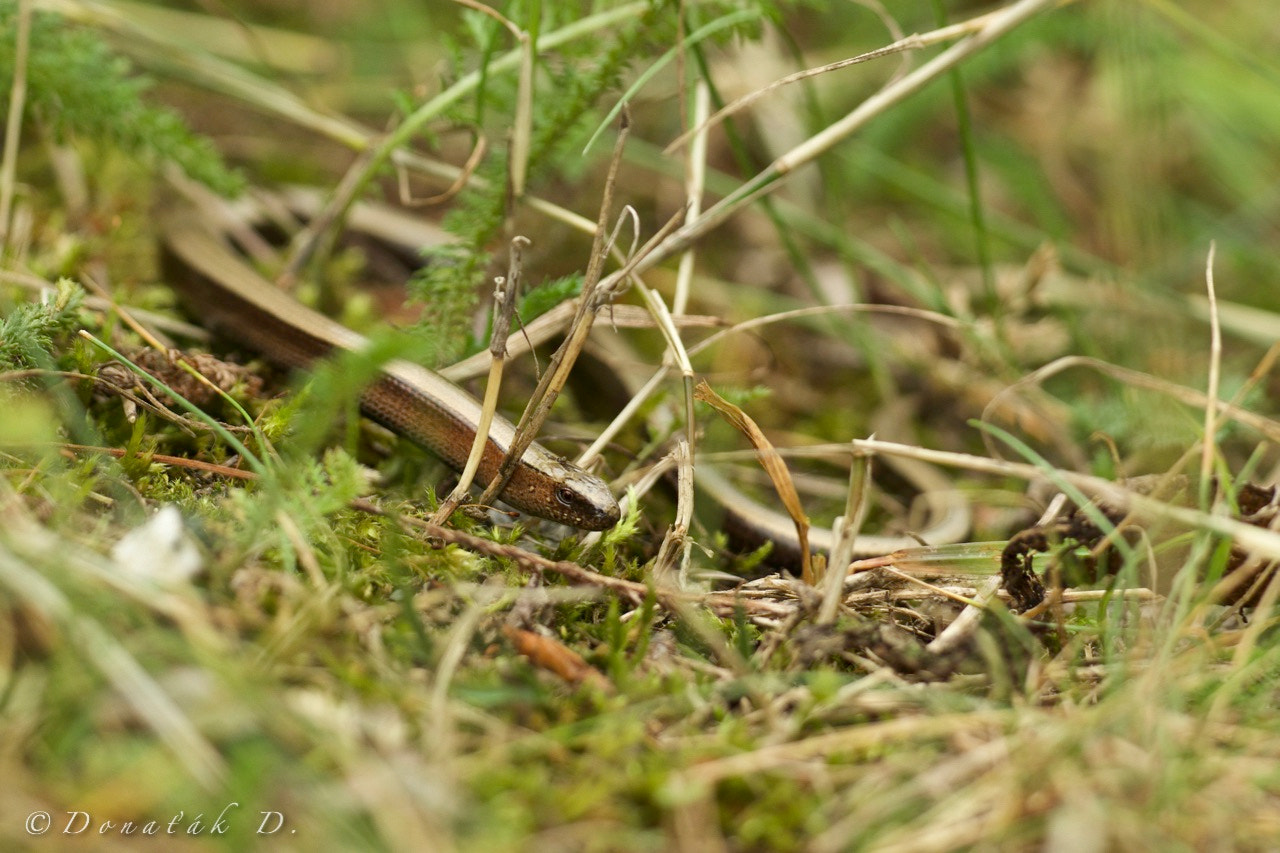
(574, 86)
(28, 330)
(77, 86)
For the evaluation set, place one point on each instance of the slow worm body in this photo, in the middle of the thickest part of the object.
(229, 296)
(226, 293)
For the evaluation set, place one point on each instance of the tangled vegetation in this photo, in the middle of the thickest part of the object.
(994, 296)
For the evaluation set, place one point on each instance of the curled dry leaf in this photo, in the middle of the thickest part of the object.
(773, 465)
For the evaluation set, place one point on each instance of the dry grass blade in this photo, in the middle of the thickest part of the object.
(1257, 325)
(916, 41)
(1248, 536)
(13, 123)
(522, 129)
(314, 243)
(1209, 447)
(1190, 396)
(456, 649)
(767, 181)
(661, 374)
(861, 737)
(773, 465)
(695, 183)
(550, 325)
(994, 26)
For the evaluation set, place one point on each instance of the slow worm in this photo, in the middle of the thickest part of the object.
(225, 293)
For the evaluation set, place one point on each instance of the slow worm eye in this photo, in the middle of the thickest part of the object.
(564, 495)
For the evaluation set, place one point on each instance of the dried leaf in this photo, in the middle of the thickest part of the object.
(773, 465)
(552, 655)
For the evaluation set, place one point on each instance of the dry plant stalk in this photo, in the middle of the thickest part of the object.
(846, 529)
(673, 554)
(548, 390)
(505, 292)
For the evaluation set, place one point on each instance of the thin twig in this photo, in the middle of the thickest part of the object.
(162, 459)
(719, 603)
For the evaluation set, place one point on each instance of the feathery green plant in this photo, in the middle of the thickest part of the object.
(27, 331)
(567, 107)
(77, 87)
